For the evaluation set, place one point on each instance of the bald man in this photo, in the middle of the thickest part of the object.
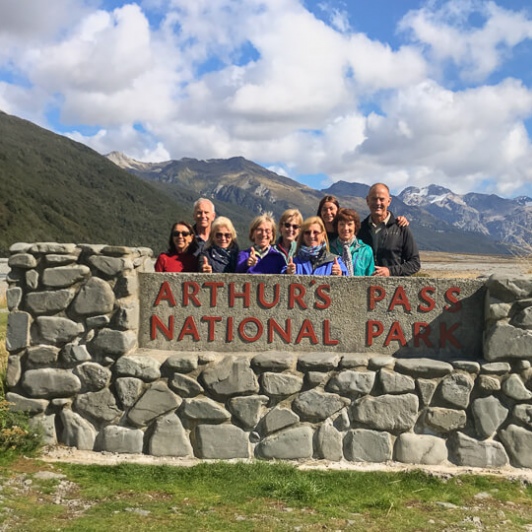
(394, 248)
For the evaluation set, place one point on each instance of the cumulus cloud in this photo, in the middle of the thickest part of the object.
(272, 81)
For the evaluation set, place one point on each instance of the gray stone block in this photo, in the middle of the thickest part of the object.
(329, 442)
(318, 361)
(94, 297)
(355, 360)
(489, 414)
(281, 384)
(169, 438)
(115, 439)
(128, 390)
(466, 365)
(142, 367)
(110, 266)
(353, 383)
(503, 341)
(113, 343)
(426, 389)
(518, 442)
(99, 406)
(455, 389)
(126, 286)
(247, 410)
(52, 247)
(362, 445)
(509, 287)
(49, 302)
(48, 383)
(45, 426)
(515, 388)
(13, 298)
(523, 319)
(13, 370)
(293, 443)
(97, 322)
(316, 378)
(392, 413)
(127, 315)
(314, 405)
(61, 260)
(420, 449)
(381, 361)
(77, 432)
(20, 403)
(185, 386)
(57, 331)
(473, 453)
(495, 368)
(32, 279)
(423, 367)
(20, 247)
(182, 363)
(273, 361)
(73, 354)
(221, 442)
(444, 420)
(523, 413)
(18, 331)
(205, 409)
(393, 382)
(156, 401)
(64, 276)
(279, 418)
(93, 376)
(22, 260)
(487, 383)
(231, 376)
(41, 355)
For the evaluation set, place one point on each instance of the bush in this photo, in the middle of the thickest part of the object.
(16, 436)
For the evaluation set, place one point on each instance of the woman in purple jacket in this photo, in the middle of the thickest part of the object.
(261, 257)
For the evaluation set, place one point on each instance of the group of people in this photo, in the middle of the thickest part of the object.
(334, 242)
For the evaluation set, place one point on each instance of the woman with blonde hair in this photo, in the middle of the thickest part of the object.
(221, 250)
(313, 256)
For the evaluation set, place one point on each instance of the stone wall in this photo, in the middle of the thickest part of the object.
(75, 366)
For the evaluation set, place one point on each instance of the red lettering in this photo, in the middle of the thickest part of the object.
(211, 321)
(422, 332)
(190, 291)
(321, 293)
(424, 295)
(213, 287)
(450, 296)
(446, 335)
(395, 334)
(229, 331)
(242, 329)
(157, 324)
(400, 298)
(276, 296)
(285, 334)
(373, 330)
(307, 331)
(375, 294)
(296, 294)
(245, 295)
(189, 328)
(327, 340)
(165, 294)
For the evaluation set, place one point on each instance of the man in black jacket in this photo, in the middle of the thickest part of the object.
(394, 249)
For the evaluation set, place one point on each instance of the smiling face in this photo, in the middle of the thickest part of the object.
(328, 212)
(222, 237)
(181, 237)
(346, 229)
(203, 215)
(290, 230)
(378, 201)
(262, 235)
(313, 236)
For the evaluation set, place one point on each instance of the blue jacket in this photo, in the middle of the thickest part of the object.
(272, 262)
(321, 266)
(361, 255)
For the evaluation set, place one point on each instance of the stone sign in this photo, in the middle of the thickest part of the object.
(434, 318)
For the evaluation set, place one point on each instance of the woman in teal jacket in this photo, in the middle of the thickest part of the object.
(357, 256)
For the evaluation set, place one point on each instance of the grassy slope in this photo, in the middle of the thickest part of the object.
(55, 189)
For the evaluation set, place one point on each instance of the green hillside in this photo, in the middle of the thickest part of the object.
(55, 189)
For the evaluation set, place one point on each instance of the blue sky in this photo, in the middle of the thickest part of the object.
(409, 92)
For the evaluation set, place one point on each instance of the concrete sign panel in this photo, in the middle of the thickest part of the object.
(413, 317)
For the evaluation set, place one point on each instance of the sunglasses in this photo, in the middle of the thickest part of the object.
(295, 227)
(227, 236)
(180, 233)
(313, 233)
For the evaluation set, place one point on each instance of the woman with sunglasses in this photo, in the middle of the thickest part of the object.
(289, 225)
(313, 256)
(221, 250)
(181, 248)
(357, 256)
(261, 257)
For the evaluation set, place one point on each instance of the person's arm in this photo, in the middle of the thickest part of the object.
(242, 262)
(402, 221)
(159, 264)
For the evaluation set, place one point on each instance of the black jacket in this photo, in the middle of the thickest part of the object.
(394, 247)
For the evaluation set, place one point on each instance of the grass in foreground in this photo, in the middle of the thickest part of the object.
(260, 496)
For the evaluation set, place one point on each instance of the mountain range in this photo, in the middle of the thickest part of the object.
(55, 189)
